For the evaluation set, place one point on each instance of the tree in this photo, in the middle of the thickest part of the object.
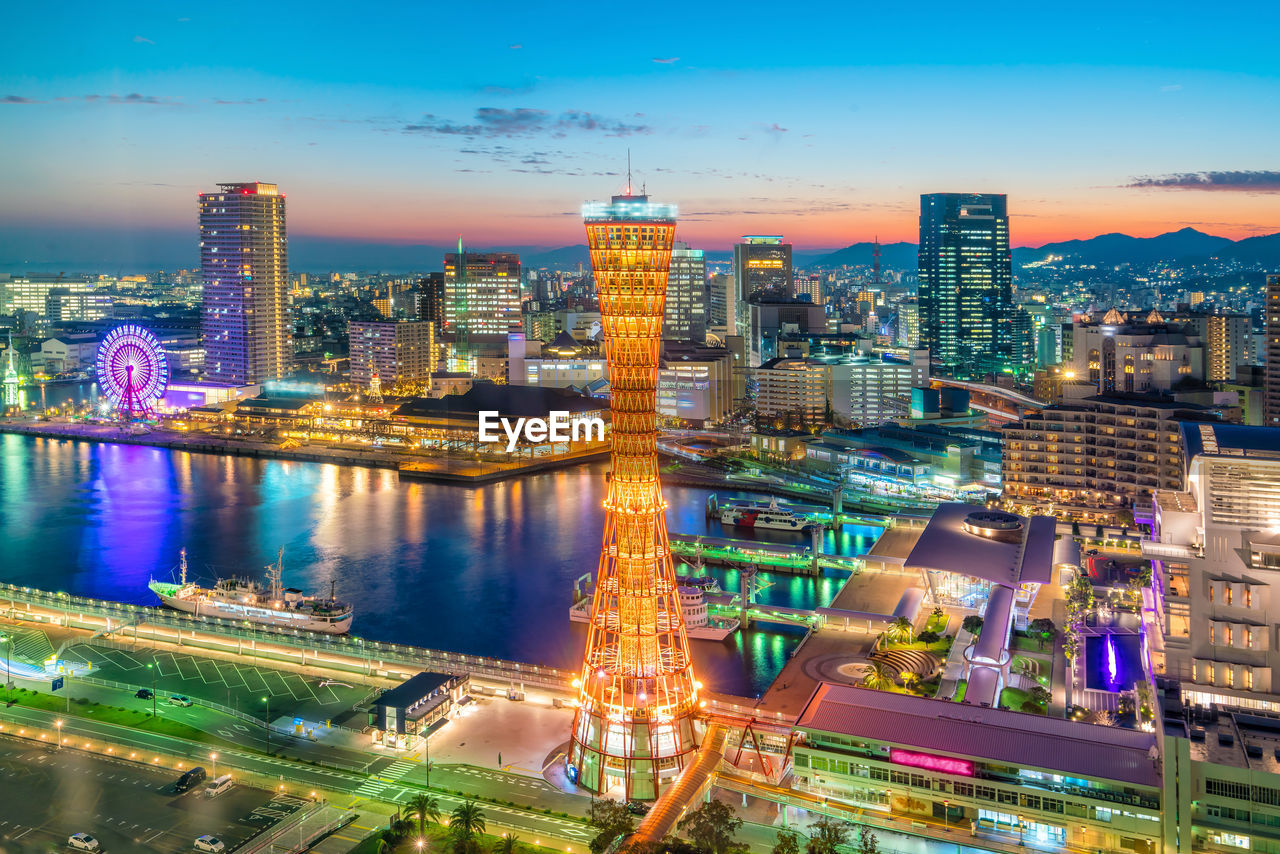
(867, 842)
(425, 809)
(711, 827)
(788, 842)
(1075, 528)
(1099, 534)
(465, 823)
(900, 632)
(612, 820)
(1043, 628)
(972, 624)
(878, 676)
(1104, 718)
(1041, 695)
(508, 844)
(825, 834)
(909, 679)
(927, 637)
(1031, 707)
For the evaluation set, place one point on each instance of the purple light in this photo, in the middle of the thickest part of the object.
(945, 764)
(1111, 662)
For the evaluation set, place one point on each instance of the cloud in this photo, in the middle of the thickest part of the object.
(777, 128)
(1244, 181)
(131, 98)
(19, 99)
(515, 46)
(667, 61)
(239, 102)
(142, 40)
(496, 122)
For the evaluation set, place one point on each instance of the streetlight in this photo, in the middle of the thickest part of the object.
(1020, 829)
(58, 725)
(152, 667)
(946, 813)
(267, 723)
(8, 674)
(214, 758)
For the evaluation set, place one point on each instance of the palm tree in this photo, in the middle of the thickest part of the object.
(465, 822)
(879, 677)
(901, 631)
(425, 808)
(507, 845)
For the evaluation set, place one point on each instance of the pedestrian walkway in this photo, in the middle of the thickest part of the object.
(662, 819)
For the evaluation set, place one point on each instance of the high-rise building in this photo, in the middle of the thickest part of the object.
(481, 293)
(966, 281)
(1227, 340)
(762, 265)
(794, 389)
(633, 728)
(31, 293)
(909, 323)
(686, 317)
(810, 288)
(722, 304)
(402, 351)
(245, 268)
(1271, 397)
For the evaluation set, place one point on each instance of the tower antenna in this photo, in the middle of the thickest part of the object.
(628, 171)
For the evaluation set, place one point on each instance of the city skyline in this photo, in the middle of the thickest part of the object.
(501, 133)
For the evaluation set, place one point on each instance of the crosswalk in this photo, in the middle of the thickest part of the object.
(384, 786)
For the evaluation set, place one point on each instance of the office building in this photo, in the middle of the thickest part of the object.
(31, 293)
(966, 280)
(809, 289)
(1215, 549)
(762, 266)
(1271, 314)
(1135, 355)
(722, 304)
(869, 390)
(396, 351)
(481, 293)
(66, 306)
(909, 323)
(941, 460)
(245, 269)
(792, 392)
(1098, 459)
(770, 319)
(695, 382)
(686, 317)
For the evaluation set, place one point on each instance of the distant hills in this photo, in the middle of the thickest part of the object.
(897, 256)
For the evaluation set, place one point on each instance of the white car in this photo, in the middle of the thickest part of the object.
(210, 843)
(179, 700)
(83, 842)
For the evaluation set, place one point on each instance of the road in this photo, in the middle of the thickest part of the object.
(394, 784)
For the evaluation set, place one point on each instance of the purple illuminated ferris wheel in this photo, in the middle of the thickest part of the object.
(132, 369)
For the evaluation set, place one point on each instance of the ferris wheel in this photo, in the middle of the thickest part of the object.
(132, 369)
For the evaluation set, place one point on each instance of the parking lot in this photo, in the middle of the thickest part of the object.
(49, 794)
(236, 684)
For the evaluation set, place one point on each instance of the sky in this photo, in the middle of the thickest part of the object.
(414, 123)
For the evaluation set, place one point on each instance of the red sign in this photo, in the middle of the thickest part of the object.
(945, 764)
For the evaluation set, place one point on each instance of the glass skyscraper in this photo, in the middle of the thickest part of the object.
(966, 282)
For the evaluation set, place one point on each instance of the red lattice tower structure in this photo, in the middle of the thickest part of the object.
(634, 726)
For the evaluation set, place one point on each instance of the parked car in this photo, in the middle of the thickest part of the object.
(179, 700)
(637, 808)
(210, 843)
(143, 694)
(218, 786)
(83, 842)
(190, 780)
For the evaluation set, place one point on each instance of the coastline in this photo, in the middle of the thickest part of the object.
(408, 465)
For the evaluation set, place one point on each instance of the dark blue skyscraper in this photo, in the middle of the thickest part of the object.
(966, 282)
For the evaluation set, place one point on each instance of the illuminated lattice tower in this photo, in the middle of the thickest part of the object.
(634, 724)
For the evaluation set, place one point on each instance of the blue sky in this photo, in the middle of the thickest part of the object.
(823, 122)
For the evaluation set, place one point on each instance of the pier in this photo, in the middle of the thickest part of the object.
(773, 557)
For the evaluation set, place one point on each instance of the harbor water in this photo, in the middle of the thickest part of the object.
(486, 570)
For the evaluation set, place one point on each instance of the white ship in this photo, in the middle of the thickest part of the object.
(243, 599)
(767, 515)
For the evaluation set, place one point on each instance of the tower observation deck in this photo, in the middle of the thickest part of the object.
(633, 731)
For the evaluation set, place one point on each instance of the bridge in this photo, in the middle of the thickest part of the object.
(1000, 404)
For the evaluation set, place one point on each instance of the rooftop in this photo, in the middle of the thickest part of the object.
(1011, 738)
(507, 400)
(947, 545)
(407, 693)
(1230, 440)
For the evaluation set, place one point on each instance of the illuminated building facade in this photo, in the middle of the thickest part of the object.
(481, 293)
(633, 730)
(1271, 357)
(686, 317)
(394, 351)
(244, 264)
(762, 264)
(966, 282)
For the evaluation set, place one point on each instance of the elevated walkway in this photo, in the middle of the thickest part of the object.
(661, 819)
